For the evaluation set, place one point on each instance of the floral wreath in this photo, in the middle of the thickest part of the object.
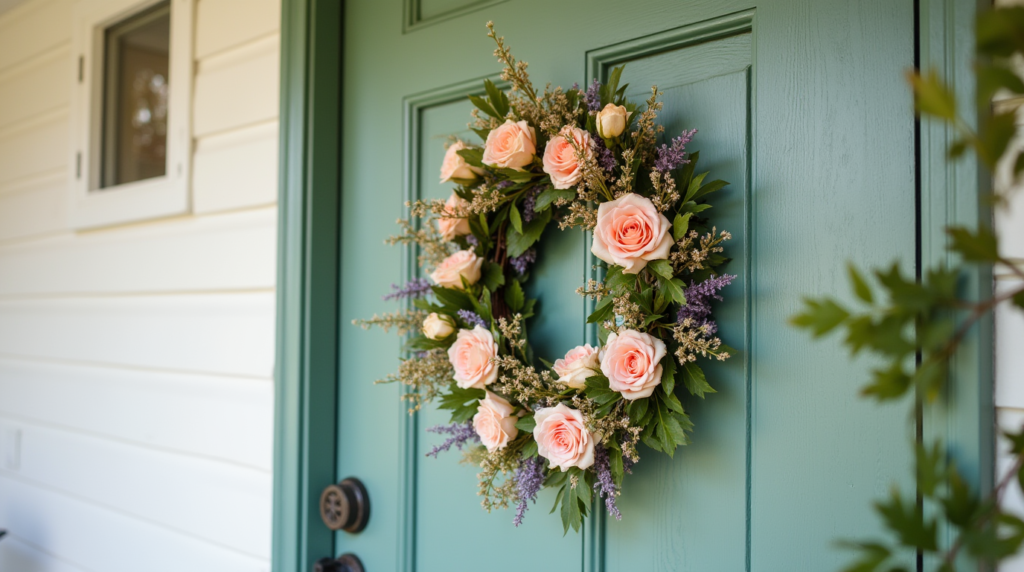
(572, 425)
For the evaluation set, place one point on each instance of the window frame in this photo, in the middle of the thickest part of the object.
(90, 205)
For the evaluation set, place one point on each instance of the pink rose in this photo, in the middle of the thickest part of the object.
(462, 264)
(452, 227)
(512, 144)
(455, 166)
(494, 422)
(580, 363)
(471, 355)
(632, 363)
(631, 232)
(560, 157)
(562, 437)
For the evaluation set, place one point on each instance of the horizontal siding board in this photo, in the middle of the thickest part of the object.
(225, 504)
(230, 334)
(37, 146)
(37, 207)
(32, 28)
(236, 170)
(102, 539)
(209, 416)
(224, 252)
(237, 88)
(39, 85)
(18, 556)
(225, 24)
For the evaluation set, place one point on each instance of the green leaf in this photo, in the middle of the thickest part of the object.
(688, 170)
(860, 287)
(530, 449)
(615, 462)
(931, 96)
(514, 296)
(709, 188)
(661, 268)
(517, 220)
(461, 402)
(978, 246)
(615, 278)
(604, 311)
(499, 102)
(668, 373)
(996, 132)
(491, 276)
(517, 243)
(820, 316)
(473, 156)
(906, 519)
(680, 225)
(931, 468)
(1018, 299)
(452, 299)
(548, 196)
(994, 77)
(691, 192)
(673, 289)
(526, 423)
(872, 555)
(695, 381)
(485, 106)
(889, 383)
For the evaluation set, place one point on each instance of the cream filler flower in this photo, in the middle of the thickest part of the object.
(464, 264)
(494, 422)
(471, 356)
(630, 232)
(578, 364)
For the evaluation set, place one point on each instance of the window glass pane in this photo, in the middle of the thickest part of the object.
(135, 97)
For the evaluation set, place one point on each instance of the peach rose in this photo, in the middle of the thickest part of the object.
(560, 157)
(438, 327)
(455, 166)
(631, 232)
(632, 363)
(471, 355)
(578, 364)
(512, 145)
(494, 422)
(462, 264)
(611, 121)
(562, 437)
(452, 227)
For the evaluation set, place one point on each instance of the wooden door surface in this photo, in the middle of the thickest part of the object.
(801, 106)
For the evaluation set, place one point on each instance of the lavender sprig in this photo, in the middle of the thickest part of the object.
(673, 157)
(698, 301)
(529, 479)
(415, 288)
(472, 318)
(530, 203)
(593, 96)
(605, 486)
(461, 433)
(605, 157)
(522, 262)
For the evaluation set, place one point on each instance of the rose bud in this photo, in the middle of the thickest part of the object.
(611, 121)
(438, 327)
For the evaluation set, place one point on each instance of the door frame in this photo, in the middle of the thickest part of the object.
(308, 278)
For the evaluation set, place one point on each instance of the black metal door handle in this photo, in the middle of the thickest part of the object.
(345, 563)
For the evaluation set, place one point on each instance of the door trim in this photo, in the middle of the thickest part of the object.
(307, 280)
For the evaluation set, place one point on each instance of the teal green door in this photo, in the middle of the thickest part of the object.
(801, 105)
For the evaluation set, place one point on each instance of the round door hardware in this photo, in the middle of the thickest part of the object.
(345, 506)
(347, 562)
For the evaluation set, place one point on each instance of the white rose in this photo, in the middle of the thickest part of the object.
(462, 264)
(494, 422)
(437, 327)
(578, 364)
(611, 121)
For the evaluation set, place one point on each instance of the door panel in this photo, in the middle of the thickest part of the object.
(800, 105)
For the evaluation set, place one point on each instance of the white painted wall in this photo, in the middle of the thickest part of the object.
(135, 361)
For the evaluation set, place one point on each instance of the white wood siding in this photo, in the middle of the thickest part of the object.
(136, 400)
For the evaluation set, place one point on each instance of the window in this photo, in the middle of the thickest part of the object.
(132, 111)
